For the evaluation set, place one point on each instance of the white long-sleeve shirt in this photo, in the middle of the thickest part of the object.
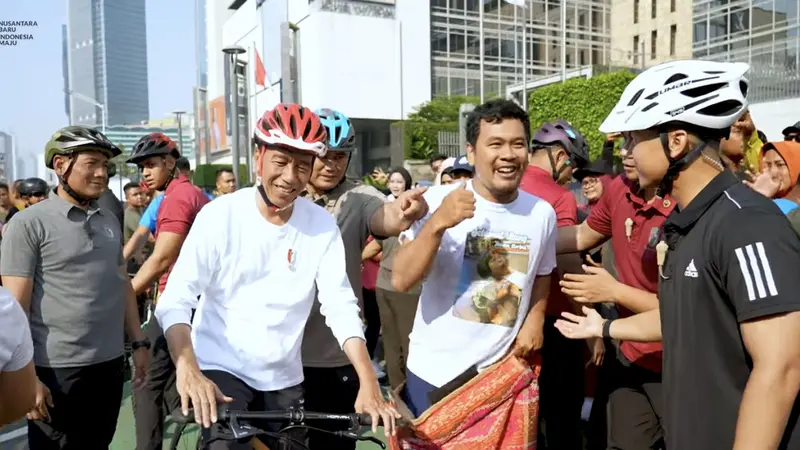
(258, 284)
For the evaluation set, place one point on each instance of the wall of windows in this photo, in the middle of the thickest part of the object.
(765, 33)
(455, 42)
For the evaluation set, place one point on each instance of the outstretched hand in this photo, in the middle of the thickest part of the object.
(581, 327)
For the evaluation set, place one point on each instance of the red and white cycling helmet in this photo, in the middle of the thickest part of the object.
(292, 127)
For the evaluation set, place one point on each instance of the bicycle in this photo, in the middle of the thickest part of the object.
(241, 428)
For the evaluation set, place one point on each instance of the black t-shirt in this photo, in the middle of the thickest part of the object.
(13, 210)
(733, 257)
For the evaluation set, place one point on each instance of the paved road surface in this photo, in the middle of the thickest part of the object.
(14, 438)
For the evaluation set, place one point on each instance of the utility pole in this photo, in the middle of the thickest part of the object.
(231, 52)
(178, 115)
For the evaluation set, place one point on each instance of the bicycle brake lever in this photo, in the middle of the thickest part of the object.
(372, 439)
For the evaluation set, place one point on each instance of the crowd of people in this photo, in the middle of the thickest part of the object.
(484, 295)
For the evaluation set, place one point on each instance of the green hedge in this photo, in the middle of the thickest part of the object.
(205, 175)
(584, 102)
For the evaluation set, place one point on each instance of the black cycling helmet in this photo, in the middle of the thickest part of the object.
(33, 187)
(153, 144)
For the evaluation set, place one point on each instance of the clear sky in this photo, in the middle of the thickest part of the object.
(31, 82)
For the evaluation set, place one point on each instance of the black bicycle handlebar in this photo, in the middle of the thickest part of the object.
(224, 414)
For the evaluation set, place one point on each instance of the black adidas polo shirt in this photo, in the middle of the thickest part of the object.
(733, 257)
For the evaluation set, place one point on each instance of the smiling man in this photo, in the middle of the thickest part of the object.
(62, 261)
(258, 257)
(485, 252)
(360, 210)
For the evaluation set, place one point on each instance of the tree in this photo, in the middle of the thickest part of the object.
(424, 124)
(584, 102)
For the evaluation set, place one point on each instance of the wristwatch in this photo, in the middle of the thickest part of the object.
(607, 329)
(144, 343)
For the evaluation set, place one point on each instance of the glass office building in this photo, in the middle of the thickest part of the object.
(455, 42)
(764, 33)
(106, 44)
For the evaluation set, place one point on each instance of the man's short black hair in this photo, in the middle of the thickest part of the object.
(3, 185)
(183, 164)
(129, 186)
(496, 111)
(437, 157)
(222, 170)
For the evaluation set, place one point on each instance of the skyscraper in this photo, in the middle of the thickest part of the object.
(7, 156)
(200, 42)
(106, 43)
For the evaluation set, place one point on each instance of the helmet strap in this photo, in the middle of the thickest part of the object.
(263, 192)
(82, 200)
(556, 170)
(171, 176)
(676, 165)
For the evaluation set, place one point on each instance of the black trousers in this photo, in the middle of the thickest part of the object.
(561, 390)
(635, 408)
(86, 403)
(597, 430)
(373, 319)
(245, 398)
(330, 390)
(158, 395)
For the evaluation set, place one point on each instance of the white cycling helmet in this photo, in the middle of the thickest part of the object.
(707, 94)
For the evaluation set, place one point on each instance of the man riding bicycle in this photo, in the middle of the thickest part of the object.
(258, 256)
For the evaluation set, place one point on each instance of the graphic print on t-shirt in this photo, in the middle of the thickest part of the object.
(492, 277)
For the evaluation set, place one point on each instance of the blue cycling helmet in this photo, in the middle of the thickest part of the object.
(341, 134)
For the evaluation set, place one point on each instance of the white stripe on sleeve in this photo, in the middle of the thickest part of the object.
(762, 255)
(753, 271)
(745, 273)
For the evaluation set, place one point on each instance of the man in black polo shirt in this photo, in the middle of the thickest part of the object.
(729, 304)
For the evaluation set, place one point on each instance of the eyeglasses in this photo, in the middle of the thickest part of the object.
(792, 137)
(39, 194)
(589, 182)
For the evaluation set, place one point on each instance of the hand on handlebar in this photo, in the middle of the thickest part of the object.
(370, 401)
(193, 387)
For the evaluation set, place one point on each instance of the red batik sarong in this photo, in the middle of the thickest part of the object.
(498, 409)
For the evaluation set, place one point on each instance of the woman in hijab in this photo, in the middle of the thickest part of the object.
(780, 163)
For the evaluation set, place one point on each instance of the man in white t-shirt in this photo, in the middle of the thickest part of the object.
(258, 256)
(17, 375)
(486, 252)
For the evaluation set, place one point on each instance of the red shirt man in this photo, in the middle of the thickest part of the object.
(634, 249)
(182, 201)
(538, 182)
